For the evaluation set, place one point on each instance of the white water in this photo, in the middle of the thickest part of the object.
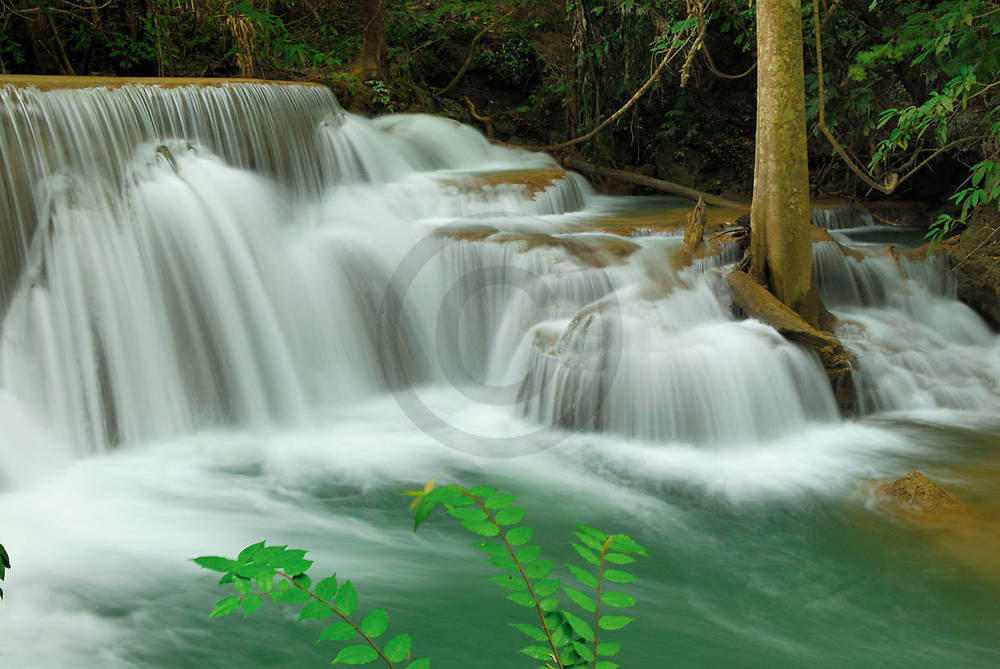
(222, 304)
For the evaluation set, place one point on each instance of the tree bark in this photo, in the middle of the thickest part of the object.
(780, 242)
(371, 62)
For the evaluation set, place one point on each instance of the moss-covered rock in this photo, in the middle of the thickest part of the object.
(976, 263)
(918, 492)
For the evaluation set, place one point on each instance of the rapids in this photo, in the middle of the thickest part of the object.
(236, 312)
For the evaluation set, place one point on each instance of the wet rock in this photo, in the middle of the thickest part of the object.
(918, 492)
(533, 181)
(975, 260)
(754, 301)
(596, 251)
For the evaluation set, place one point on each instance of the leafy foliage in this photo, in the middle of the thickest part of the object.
(563, 637)
(281, 574)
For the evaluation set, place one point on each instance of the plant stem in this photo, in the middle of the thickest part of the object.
(600, 582)
(347, 620)
(524, 577)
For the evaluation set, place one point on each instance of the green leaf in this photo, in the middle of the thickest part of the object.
(424, 509)
(315, 610)
(251, 604)
(499, 501)
(613, 622)
(481, 527)
(224, 607)
(327, 587)
(302, 581)
(289, 557)
(290, 596)
(584, 651)
(538, 652)
(546, 587)
(250, 552)
(468, 513)
(589, 541)
(491, 548)
(375, 623)
(587, 555)
(520, 535)
(347, 599)
(340, 631)
(505, 563)
(608, 648)
(242, 585)
(532, 631)
(624, 544)
(528, 553)
(398, 648)
(210, 562)
(549, 604)
(5, 559)
(618, 576)
(449, 496)
(511, 516)
(523, 598)
(582, 600)
(618, 558)
(419, 664)
(297, 567)
(583, 576)
(607, 664)
(356, 654)
(593, 532)
(580, 625)
(617, 599)
(483, 491)
(266, 582)
(509, 582)
(538, 569)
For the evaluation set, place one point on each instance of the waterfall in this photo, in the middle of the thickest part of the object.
(841, 217)
(177, 259)
(917, 347)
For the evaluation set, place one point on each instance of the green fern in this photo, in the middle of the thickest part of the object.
(563, 639)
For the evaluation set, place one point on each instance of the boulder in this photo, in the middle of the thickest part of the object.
(918, 492)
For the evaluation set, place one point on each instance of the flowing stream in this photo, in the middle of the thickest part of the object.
(236, 312)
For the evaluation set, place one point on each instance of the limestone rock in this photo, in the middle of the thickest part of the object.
(918, 492)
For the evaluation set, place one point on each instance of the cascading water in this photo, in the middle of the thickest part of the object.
(242, 287)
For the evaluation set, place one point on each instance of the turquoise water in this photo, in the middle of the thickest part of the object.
(750, 566)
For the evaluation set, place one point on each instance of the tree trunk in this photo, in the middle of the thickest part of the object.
(371, 62)
(780, 243)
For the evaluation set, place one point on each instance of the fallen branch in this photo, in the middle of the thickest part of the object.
(649, 182)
